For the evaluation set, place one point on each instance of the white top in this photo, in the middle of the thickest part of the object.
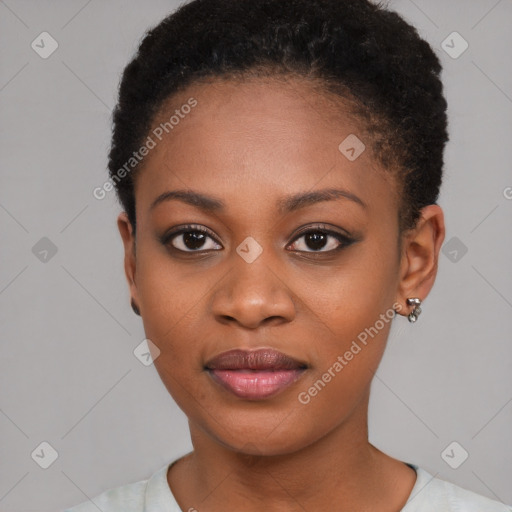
(429, 494)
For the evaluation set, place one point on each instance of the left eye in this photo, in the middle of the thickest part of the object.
(317, 239)
(192, 239)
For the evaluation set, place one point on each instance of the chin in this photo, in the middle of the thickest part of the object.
(264, 439)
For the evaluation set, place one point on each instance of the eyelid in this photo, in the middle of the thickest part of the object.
(344, 239)
(178, 230)
(324, 228)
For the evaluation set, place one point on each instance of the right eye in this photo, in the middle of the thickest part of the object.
(191, 238)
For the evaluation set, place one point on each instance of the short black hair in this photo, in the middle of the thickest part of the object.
(357, 49)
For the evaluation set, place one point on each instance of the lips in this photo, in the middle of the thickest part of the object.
(261, 359)
(255, 375)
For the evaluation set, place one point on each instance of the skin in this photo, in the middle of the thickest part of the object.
(251, 144)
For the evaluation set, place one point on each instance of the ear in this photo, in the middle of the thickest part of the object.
(420, 256)
(127, 234)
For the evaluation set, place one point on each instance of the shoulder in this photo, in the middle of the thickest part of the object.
(140, 496)
(150, 495)
(129, 498)
(431, 494)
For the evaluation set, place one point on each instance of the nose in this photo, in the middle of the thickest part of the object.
(253, 294)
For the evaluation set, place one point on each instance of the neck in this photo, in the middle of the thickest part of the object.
(340, 467)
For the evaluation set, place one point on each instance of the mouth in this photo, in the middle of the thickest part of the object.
(255, 375)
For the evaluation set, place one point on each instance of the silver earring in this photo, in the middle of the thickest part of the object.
(415, 313)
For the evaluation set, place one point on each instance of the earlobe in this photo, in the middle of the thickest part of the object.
(128, 237)
(135, 308)
(419, 260)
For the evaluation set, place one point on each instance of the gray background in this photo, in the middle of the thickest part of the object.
(68, 375)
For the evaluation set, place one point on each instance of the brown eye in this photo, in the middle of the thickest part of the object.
(320, 240)
(191, 239)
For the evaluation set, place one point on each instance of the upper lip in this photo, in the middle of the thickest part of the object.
(259, 359)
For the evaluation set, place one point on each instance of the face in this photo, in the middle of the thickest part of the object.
(268, 260)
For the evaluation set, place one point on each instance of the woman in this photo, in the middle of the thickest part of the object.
(279, 164)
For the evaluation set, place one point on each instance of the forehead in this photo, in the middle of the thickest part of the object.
(278, 109)
(261, 137)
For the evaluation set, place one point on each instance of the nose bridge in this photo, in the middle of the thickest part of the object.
(253, 289)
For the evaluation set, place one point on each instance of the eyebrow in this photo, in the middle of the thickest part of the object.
(285, 205)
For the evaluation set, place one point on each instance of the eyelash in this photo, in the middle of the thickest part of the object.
(344, 240)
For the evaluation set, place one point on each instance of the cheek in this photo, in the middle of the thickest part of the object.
(340, 381)
(353, 313)
(168, 304)
(167, 295)
(352, 296)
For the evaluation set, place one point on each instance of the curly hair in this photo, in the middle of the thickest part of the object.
(358, 50)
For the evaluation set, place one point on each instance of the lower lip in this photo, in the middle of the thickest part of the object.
(255, 385)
